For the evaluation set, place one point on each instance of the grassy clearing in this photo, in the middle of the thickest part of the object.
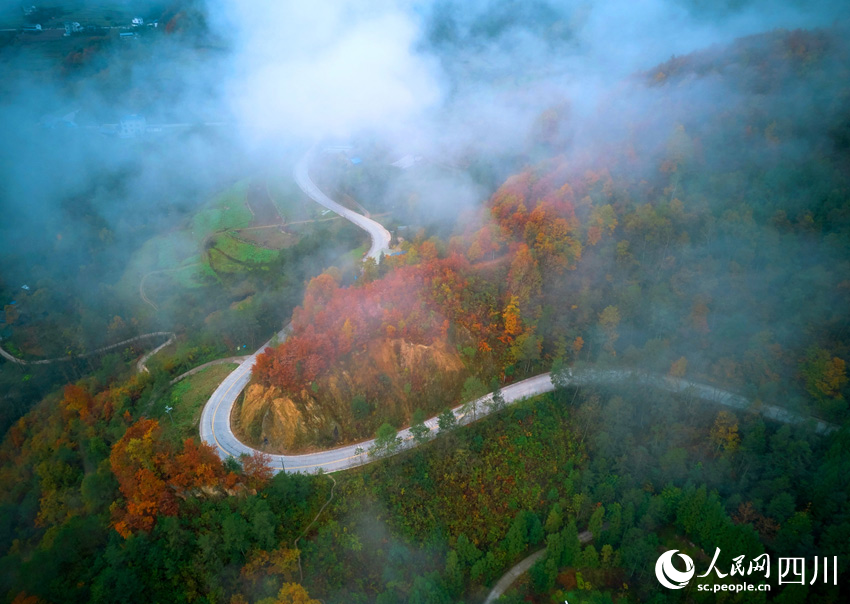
(220, 264)
(161, 253)
(271, 238)
(242, 251)
(227, 211)
(187, 399)
(192, 277)
(291, 202)
(180, 248)
(357, 254)
(165, 251)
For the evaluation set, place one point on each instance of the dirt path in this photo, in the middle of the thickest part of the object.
(140, 365)
(261, 206)
(142, 294)
(295, 543)
(521, 567)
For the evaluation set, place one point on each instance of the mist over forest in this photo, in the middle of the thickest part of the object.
(658, 188)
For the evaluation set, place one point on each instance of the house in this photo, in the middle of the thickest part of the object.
(128, 35)
(132, 126)
(72, 27)
(137, 22)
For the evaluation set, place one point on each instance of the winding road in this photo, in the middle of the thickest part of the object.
(140, 366)
(215, 418)
(379, 235)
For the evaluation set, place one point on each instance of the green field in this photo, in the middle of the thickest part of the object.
(241, 250)
(227, 211)
(194, 275)
(177, 256)
(187, 399)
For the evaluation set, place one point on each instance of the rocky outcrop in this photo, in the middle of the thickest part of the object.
(394, 377)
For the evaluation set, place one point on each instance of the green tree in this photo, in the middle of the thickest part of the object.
(526, 349)
(609, 320)
(572, 545)
(467, 552)
(555, 547)
(638, 551)
(516, 540)
(471, 408)
(543, 574)
(534, 528)
(235, 533)
(418, 428)
(497, 401)
(589, 557)
(555, 519)
(595, 523)
(447, 421)
(561, 376)
(387, 441)
(608, 558)
(614, 513)
(472, 388)
(360, 408)
(454, 575)
(428, 589)
(825, 374)
(781, 507)
(370, 271)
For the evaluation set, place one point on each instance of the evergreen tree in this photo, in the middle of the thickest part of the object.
(418, 428)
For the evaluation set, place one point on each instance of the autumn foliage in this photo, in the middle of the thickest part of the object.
(539, 211)
(153, 476)
(335, 321)
(77, 402)
(531, 214)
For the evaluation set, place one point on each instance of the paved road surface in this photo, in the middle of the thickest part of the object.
(215, 424)
(379, 235)
(215, 419)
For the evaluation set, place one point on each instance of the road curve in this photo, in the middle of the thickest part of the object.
(140, 366)
(379, 235)
(215, 422)
(215, 418)
(522, 567)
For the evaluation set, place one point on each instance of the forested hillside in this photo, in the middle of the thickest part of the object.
(707, 236)
(710, 240)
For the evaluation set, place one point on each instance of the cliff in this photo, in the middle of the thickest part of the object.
(387, 380)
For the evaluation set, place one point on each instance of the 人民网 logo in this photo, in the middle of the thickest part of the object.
(667, 574)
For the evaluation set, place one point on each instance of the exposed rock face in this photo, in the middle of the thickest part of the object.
(269, 414)
(394, 376)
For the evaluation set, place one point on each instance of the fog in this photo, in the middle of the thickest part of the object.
(454, 82)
